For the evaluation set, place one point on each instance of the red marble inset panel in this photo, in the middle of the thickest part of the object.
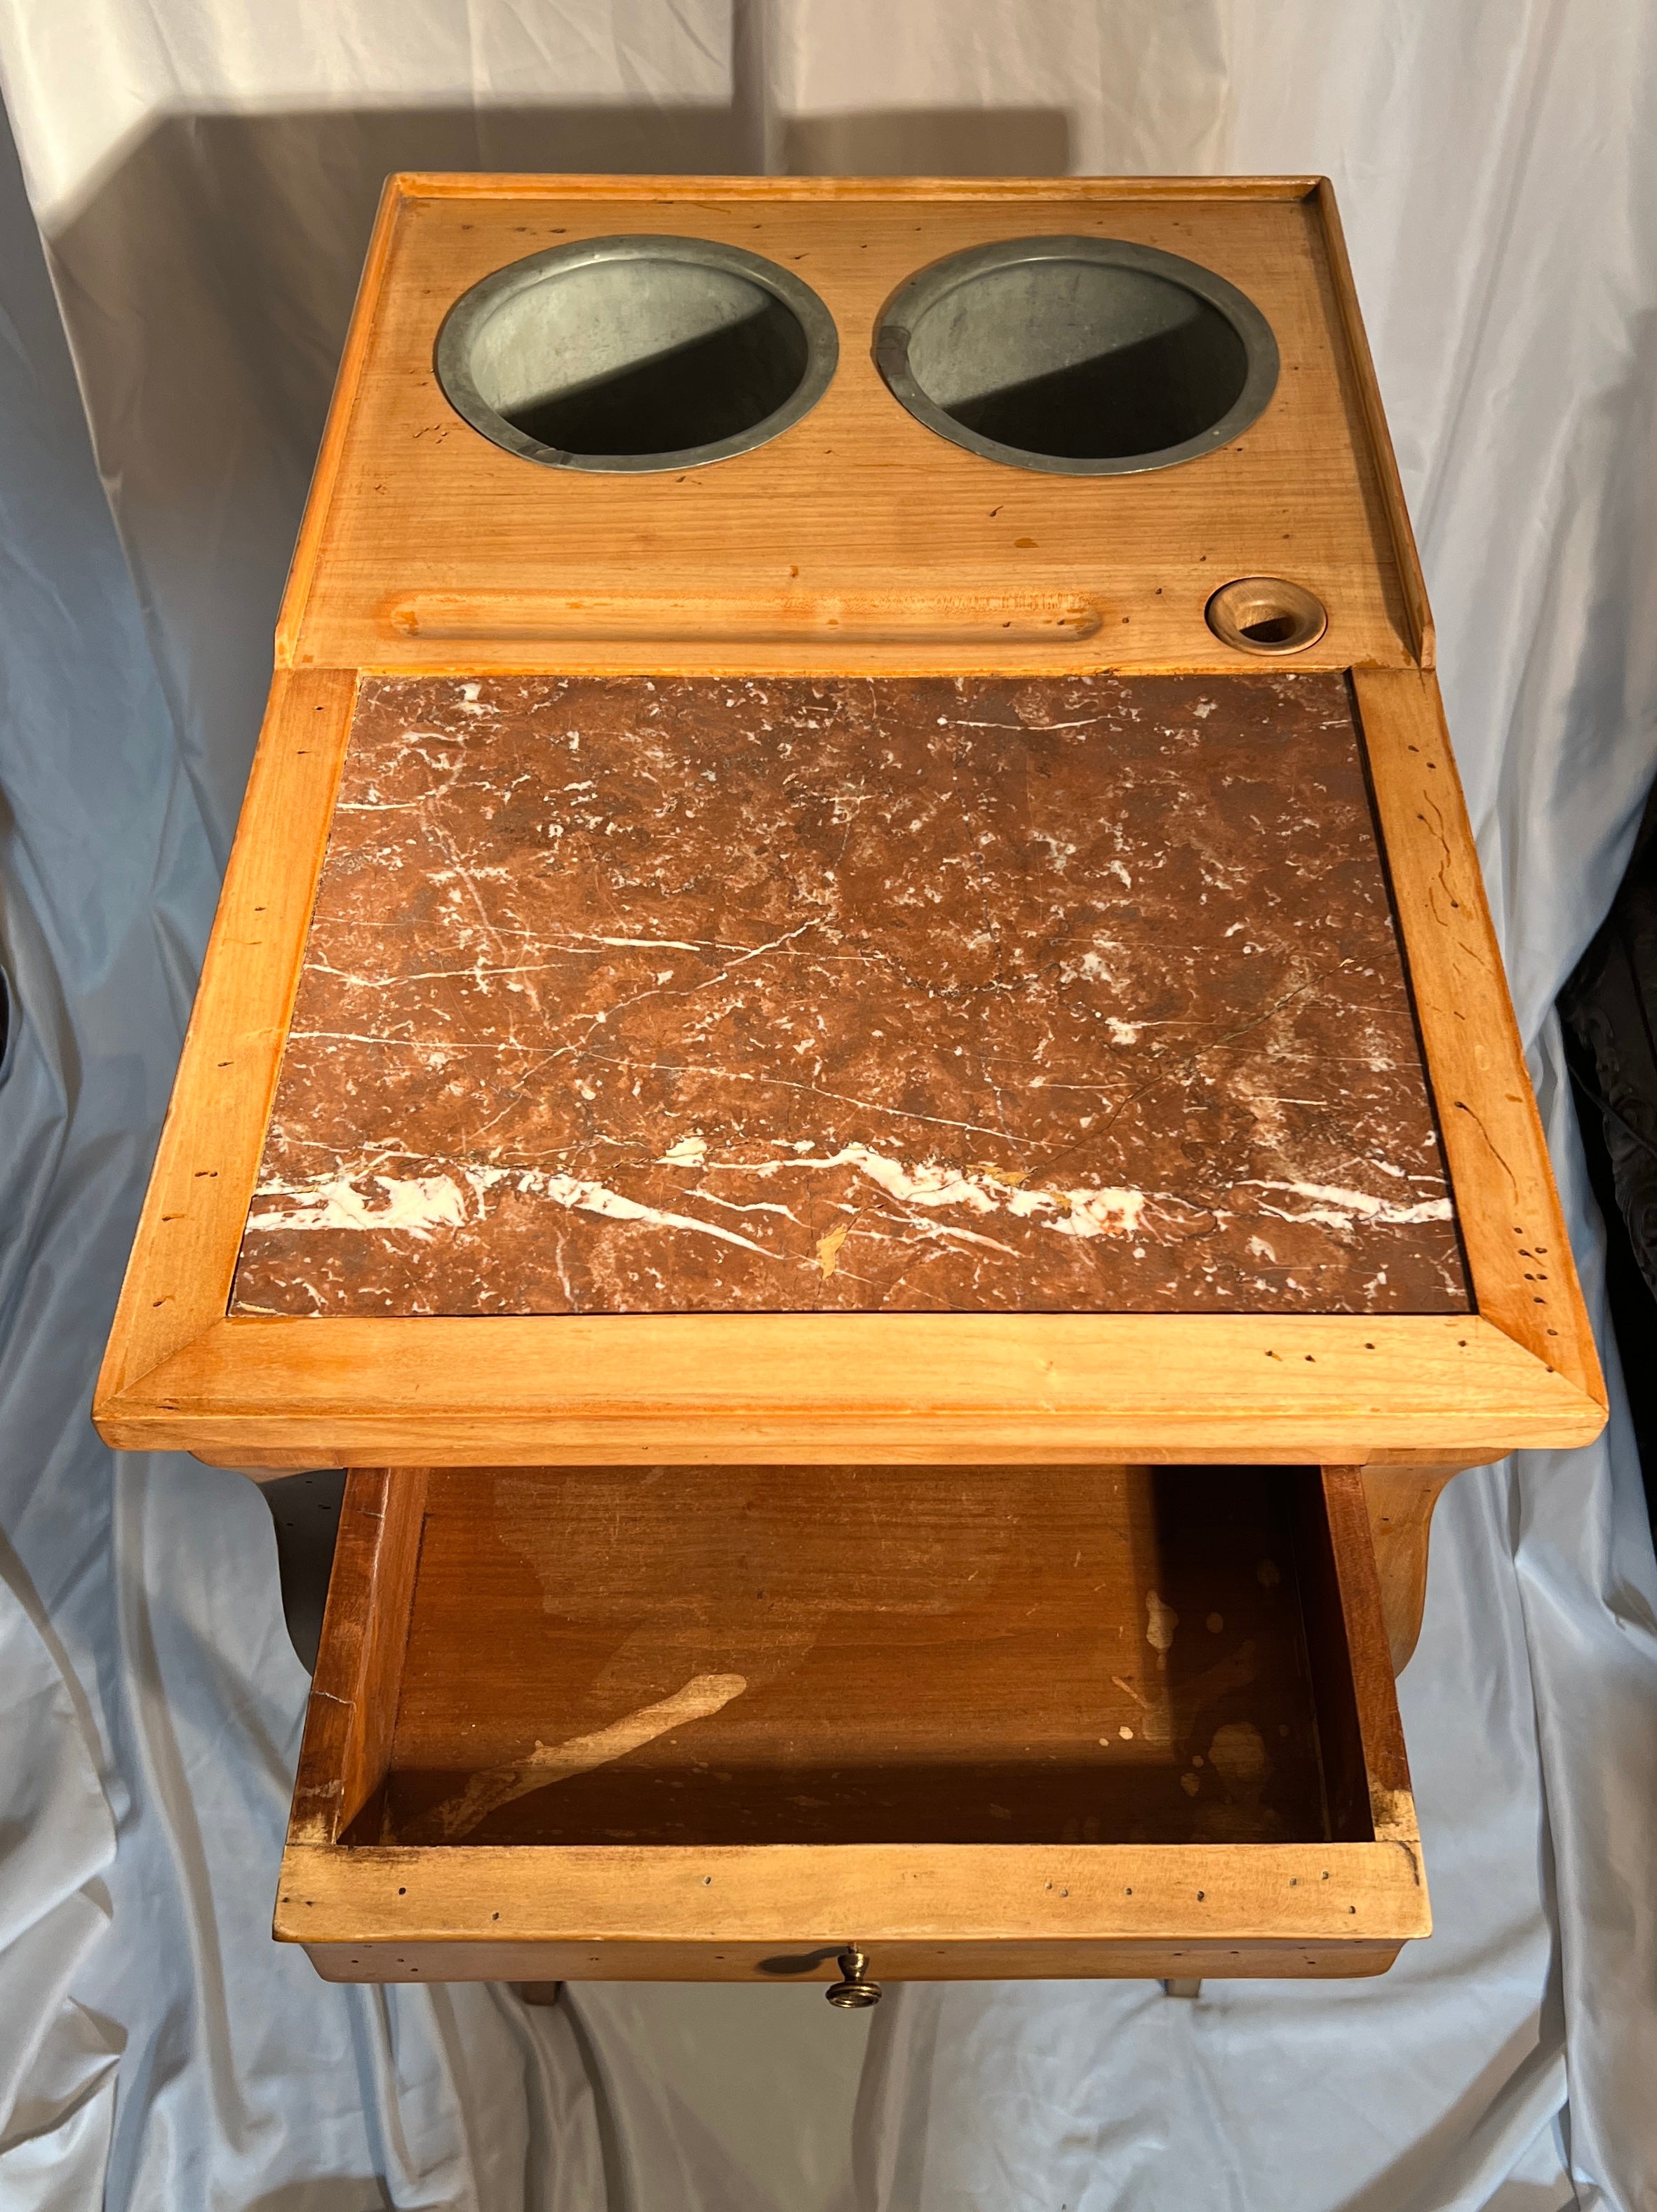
(1071, 994)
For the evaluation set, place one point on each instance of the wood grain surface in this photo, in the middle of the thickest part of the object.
(917, 1638)
(1041, 1388)
(1046, 1389)
(1518, 1251)
(1400, 1501)
(178, 1278)
(863, 1653)
(926, 1912)
(431, 548)
(347, 1751)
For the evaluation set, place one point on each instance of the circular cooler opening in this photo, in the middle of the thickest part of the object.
(1080, 357)
(631, 354)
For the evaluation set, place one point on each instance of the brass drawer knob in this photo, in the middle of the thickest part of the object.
(854, 1990)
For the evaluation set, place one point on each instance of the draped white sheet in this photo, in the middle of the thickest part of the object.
(205, 174)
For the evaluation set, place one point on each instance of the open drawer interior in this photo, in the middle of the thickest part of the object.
(867, 1655)
(571, 1669)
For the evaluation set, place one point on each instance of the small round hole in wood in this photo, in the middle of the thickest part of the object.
(1267, 614)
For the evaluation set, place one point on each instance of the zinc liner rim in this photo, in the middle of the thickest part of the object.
(924, 291)
(451, 356)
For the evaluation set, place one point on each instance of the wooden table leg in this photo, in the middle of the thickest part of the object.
(1401, 1501)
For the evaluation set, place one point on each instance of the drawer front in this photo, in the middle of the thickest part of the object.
(725, 1723)
(997, 1960)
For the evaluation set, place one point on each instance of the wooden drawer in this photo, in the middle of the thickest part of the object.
(722, 1723)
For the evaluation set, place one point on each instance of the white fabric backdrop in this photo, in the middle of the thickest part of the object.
(205, 175)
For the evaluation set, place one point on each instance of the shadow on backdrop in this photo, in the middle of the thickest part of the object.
(207, 285)
(929, 142)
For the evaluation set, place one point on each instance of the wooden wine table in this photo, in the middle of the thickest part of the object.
(862, 1077)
